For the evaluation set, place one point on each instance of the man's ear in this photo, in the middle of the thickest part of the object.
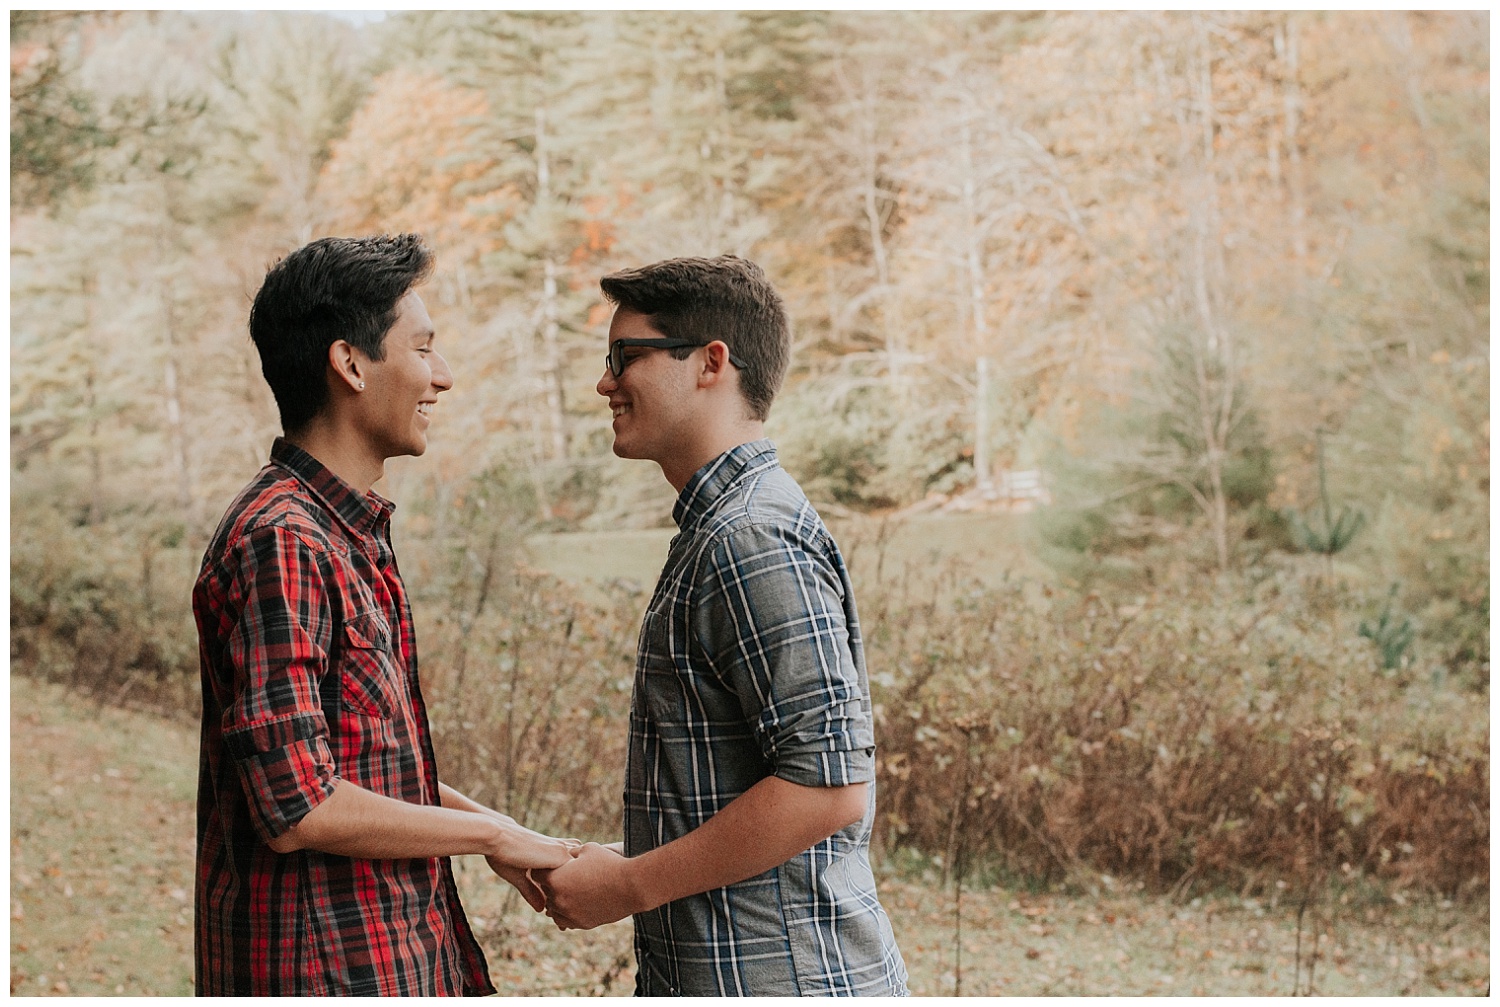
(715, 363)
(347, 364)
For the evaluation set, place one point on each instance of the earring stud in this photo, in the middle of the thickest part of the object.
(361, 386)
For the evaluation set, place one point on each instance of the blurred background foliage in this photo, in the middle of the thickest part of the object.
(1190, 275)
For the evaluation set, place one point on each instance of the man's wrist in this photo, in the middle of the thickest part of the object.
(640, 885)
(498, 843)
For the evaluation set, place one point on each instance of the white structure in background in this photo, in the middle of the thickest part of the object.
(1022, 489)
(1014, 490)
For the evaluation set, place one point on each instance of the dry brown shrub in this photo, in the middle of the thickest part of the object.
(1174, 738)
(1431, 826)
(529, 702)
(88, 609)
(1234, 732)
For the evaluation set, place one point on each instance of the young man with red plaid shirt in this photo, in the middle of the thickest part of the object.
(323, 831)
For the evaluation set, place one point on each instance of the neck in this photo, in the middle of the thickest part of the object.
(708, 447)
(346, 456)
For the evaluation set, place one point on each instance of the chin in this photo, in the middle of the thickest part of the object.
(624, 450)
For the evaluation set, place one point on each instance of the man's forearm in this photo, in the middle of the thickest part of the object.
(763, 828)
(451, 798)
(355, 822)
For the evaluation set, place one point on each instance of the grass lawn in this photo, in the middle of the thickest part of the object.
(101, 848)
(987, 547)
(101, 882)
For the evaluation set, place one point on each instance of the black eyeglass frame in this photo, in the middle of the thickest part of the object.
(616, 360)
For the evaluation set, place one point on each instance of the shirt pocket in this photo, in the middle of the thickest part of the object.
(659, 684)
(370, 679)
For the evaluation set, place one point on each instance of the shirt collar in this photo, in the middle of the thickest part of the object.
(362, 512)
(710, 482)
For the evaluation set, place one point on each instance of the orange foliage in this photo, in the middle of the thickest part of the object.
(407, 163)
(23, 56)
(598, 233)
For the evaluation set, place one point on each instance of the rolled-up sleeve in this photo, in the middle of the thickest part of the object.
(273, 723)
(769, 612)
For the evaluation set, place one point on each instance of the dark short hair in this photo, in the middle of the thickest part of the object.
(701, 300)
(327, 290)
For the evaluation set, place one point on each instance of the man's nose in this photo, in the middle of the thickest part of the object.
(607, 382)
(442, 377)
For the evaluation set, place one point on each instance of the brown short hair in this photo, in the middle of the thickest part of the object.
(331, 289)
(726, 298)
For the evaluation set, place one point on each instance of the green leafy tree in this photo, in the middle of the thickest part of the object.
(56, 125)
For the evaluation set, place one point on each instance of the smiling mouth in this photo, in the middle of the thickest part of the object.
(425, 409)
(619, 410)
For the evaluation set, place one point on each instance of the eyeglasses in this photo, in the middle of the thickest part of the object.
(617, 361)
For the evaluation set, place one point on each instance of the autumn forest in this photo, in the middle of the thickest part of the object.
(1179, 322)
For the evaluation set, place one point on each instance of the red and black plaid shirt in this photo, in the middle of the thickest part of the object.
(310, 673)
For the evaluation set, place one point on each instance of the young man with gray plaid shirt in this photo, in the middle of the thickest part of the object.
(750, 789)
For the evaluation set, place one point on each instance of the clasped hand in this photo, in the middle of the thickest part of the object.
(579, 886)
(590, 890)
(524, 850)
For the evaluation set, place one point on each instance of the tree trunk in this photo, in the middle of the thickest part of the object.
(875, 225)
(552, 376)
(977, 313)
(252, 384)
(536, 467)
(1215, 404)
(1291, 103)
(91, 403)
(1398, 30)
(982, 424)
(177, 434)
(719, 140)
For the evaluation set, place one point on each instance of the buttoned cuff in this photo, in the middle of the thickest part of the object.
(286, 768)
(833, 768)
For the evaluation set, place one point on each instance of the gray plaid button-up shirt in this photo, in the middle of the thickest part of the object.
(750, 665)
